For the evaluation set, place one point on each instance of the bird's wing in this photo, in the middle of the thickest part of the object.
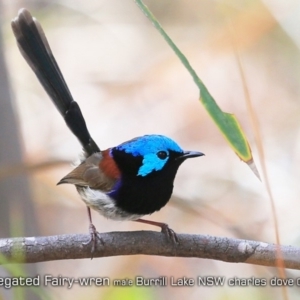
(89, 174)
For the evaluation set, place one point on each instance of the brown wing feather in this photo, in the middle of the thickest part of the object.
(89, 174)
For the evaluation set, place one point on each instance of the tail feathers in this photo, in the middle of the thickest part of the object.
(35, 49)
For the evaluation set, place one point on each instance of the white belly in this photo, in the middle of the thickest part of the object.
(104, 205)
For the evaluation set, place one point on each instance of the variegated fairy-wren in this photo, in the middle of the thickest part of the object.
(124, 182)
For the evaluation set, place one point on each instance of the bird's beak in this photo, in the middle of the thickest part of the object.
(189, 154)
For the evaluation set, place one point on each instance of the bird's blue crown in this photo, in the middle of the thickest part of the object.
(148, 146)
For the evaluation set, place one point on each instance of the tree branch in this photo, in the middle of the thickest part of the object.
(40, 249)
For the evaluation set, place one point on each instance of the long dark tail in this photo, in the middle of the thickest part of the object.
(35, 49)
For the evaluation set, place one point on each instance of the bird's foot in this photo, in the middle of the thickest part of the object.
(94, 235)
(165, 229)
(170, 233)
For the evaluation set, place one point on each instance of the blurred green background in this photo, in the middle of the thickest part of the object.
(128, 82)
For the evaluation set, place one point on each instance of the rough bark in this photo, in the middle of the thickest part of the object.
(40, 249)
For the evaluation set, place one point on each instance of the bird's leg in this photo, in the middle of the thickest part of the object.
(170, 233)
(94, 234)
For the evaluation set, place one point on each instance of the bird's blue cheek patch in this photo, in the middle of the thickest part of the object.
(151, 163)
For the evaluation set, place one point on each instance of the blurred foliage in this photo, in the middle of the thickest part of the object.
(130, 293)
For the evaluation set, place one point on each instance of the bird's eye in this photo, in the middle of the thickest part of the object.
(162, 154)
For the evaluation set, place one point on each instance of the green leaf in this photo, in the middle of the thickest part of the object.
(228, 125)
(226, 122)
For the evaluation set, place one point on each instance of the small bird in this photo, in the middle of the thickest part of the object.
(125, 182)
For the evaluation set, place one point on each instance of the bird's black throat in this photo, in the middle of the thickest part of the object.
(145, 194)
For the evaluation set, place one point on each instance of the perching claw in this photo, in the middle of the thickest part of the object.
(165, 229)
(94, 235)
